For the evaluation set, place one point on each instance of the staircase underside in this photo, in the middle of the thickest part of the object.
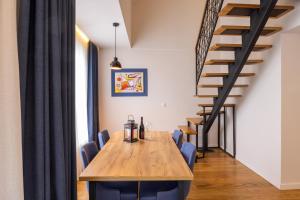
(221, 85)
(215, 95)
(221, 74)
(240, 30)
(233, 47)
(230, 61)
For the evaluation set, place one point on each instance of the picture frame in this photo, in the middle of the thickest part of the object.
(129, 82)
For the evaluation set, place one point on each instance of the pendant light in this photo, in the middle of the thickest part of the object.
(115, 64)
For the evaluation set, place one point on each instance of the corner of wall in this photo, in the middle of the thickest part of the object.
(126, 10)
(11, 171)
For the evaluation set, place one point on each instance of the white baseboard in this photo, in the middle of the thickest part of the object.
(290, 186)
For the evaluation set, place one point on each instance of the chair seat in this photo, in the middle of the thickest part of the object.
(172, 194)
(128, 190)
(103, 192)
(123, 186)
(148, 198)
(129, 196)
(149, 190)
(169, 195)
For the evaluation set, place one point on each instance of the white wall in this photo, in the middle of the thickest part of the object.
(259, 121)
(290, 111)
(259, 113)
(169, 81)
(11, 181)
(164, 36)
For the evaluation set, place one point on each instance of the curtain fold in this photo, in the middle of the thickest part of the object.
(46, 43)
(93, 112)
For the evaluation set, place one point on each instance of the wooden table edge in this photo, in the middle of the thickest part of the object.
(130, 178)
(135, 179)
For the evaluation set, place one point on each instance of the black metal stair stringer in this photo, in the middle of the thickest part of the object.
(258, 20)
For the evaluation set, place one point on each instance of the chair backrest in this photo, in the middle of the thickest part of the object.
(177, 137)
(188, 151)
(88, 152)
(103, 137)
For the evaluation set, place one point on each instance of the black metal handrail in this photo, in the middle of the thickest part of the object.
(209, 22)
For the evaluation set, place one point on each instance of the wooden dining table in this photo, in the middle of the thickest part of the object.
(155, 158)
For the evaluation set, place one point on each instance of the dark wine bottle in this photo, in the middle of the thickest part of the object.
(142, 129)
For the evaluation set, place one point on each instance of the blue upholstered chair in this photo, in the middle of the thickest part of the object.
(188, 151)
(168, 190)
(177, 137)
(108, 190)
(103, 137)
(88, 152)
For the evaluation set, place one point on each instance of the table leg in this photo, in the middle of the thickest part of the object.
(139, 189)
(92, 190)
(188, 136)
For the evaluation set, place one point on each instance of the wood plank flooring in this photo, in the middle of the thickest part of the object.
(220, 177)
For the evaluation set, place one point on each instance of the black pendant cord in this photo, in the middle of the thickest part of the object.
(115, 64)
(115, 41)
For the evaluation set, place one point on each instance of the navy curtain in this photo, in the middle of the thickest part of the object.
(46, 39)
(92, 99)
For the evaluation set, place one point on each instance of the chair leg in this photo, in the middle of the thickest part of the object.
(197, 144)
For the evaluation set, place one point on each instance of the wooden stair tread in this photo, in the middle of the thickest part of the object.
(209, 74)
(201, 113)
(239, 30)
(212, 105)
(215, 95)
(230, 61)
(199, 154)
(221, 85)
(245, 10)
(232, 47)
(195, 120)
(187, 130)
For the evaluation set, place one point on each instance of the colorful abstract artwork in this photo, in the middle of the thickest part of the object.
(129, 82)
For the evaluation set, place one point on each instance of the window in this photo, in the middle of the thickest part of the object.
(81, 62)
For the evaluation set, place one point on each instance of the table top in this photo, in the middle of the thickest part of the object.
(155, 158)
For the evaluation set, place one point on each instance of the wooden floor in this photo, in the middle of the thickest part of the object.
(219, 177)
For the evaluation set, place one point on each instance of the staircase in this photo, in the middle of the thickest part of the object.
(258, 14)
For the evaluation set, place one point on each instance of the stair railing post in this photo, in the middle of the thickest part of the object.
(225, 131)
(204, 134)
(219, 130)
(234, 131)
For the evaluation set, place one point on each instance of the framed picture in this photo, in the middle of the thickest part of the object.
(129, 82)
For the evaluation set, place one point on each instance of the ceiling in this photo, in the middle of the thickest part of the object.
(95, 18)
